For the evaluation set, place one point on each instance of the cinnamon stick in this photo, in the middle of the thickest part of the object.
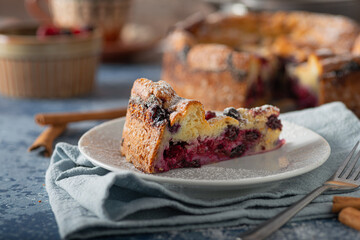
(340, 202)
(68, 117)
(46, 139)
(350, 217)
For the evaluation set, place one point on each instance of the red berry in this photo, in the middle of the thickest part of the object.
(209, 115)
(76, 31)
(43, 31)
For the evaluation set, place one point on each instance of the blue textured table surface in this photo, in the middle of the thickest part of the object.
(25, 212)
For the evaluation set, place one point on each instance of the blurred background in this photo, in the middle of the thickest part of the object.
(148, 21)
(143, 26)
(152, 11)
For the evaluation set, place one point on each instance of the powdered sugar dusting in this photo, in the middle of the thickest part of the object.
(164, 88)
(265, 108)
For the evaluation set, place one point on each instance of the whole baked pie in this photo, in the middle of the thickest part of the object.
(263, 58)
(163, 131)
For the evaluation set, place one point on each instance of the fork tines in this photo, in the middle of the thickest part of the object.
(347, 169)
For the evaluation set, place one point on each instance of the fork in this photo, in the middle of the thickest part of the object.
(346, 177)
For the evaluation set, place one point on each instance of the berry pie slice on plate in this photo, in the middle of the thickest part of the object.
(163, 131)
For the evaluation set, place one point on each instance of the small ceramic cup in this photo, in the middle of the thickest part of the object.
(109, 15)
(48, 67)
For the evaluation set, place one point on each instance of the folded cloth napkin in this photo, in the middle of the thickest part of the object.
(89, 201)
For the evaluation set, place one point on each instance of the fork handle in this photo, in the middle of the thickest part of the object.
(267, 228)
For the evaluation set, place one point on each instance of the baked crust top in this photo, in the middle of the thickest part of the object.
(288, 34)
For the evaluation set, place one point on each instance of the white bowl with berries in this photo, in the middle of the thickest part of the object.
(48, 61)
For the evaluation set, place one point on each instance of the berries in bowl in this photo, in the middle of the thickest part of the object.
(48, 62)
(45, 31)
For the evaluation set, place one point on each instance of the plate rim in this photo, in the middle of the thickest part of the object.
(202, 182)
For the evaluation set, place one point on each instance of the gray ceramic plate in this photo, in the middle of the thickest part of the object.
(303, 151)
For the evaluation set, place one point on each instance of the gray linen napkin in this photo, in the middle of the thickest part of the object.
(89, 201)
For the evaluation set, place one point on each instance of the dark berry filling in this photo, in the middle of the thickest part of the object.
(305, 98)
(274, 123)
(208, 150)
(210, 115)
(175, 150)
(238, 151)
(174, 128)
(191, 164)
(158, 114)
(232, 112)
(252, 135)
(263, 61)
(231, 132)
(255, 92)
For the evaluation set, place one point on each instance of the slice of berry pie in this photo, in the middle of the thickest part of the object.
(164, 131)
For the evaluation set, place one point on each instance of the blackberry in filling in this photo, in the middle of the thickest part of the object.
(175, 128)
(231, 132)
(274, 123)
(238, 151)
(232, 112)
(252, 135)
(158, 114)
